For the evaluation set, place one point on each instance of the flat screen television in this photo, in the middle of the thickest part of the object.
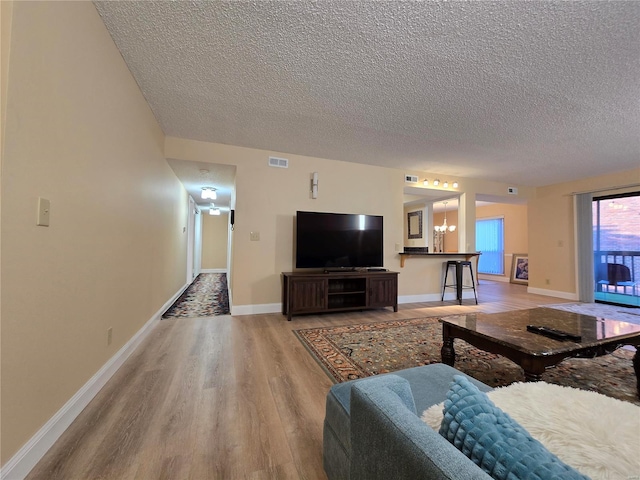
(338, 240)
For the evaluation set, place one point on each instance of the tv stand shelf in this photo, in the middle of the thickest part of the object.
(338, 291)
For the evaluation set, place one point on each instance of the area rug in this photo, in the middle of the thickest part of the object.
(357, 351)
(625, 314)
(208, 295)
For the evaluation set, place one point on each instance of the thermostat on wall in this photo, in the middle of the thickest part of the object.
(512, 190)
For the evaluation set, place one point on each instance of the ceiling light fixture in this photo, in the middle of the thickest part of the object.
(213, 210)
(208, 193)
(444, 228)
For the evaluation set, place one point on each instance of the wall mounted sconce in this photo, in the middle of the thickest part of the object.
(425, 182)
(446, 184)
(436, 182)
(314, 185)
(455, 184)
(208, 193)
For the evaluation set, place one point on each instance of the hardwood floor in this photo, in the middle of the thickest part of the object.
(224, 398)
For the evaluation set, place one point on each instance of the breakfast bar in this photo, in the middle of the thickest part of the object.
(423, 253)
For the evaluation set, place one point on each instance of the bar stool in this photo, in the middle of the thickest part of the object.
(459, 266)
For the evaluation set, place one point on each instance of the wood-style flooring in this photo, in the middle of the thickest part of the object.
(224, 398)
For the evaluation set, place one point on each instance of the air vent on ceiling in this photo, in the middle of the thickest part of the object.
(278, 162)
(411, 178)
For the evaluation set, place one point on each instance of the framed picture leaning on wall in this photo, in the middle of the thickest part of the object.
(520, 268)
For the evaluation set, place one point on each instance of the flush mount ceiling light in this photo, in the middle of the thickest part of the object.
(209, 193)
(213, 210)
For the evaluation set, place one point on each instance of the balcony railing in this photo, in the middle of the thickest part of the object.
(617, 273)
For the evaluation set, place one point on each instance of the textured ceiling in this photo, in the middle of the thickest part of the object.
(529, 93)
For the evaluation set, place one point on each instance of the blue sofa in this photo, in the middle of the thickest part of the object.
(373, 430)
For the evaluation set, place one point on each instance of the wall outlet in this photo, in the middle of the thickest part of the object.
(109, 335)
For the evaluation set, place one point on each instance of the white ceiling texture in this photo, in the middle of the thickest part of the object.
(527, 93)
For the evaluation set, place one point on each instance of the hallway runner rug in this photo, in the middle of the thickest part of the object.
(357, 351)
(207, 296)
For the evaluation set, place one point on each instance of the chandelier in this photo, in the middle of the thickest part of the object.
(444, 228)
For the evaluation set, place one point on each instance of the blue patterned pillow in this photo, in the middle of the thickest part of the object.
(494, 441)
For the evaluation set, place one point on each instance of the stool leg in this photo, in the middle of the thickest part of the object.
(444, 284)
(473, 284)
(459, 282)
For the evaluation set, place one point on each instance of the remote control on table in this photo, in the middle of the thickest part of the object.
(553, 333)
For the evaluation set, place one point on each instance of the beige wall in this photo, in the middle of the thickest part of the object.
(516, 231)
(214, 240)
(79, 133)
(267, 199)
(416, 242)
(450, 238)
(552, 233)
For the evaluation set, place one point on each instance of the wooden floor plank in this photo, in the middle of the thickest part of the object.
(225, 398)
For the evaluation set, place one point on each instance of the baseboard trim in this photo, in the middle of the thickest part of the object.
(213, 270)
(19, 466)
(256, 309)
(433, 297)
(277, 307)
(553, 293)
(494, 278)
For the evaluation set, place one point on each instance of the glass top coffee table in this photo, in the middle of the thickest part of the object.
(506, 334)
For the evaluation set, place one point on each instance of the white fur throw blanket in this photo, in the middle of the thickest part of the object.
(597, 435)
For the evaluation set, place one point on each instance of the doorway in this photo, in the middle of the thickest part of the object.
(616, 249)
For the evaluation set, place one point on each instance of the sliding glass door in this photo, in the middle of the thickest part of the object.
(616, 249)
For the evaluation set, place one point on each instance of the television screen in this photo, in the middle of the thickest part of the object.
(338, 240)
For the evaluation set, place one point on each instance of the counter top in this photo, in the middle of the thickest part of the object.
(467, 255)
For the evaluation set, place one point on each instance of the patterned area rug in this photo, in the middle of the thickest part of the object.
(625, 314)
(208, 295)
(358, 351)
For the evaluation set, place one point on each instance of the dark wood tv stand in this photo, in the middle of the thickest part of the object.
(319, 292)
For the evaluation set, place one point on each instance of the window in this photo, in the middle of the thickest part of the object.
(490, 241)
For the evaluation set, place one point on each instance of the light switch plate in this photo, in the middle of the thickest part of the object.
(44, 211)
(254, 236)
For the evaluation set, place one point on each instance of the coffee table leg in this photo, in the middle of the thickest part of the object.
(447, 353)
(532, 377)
(636, 367)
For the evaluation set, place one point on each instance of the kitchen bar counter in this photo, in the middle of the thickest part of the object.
(467, 255)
